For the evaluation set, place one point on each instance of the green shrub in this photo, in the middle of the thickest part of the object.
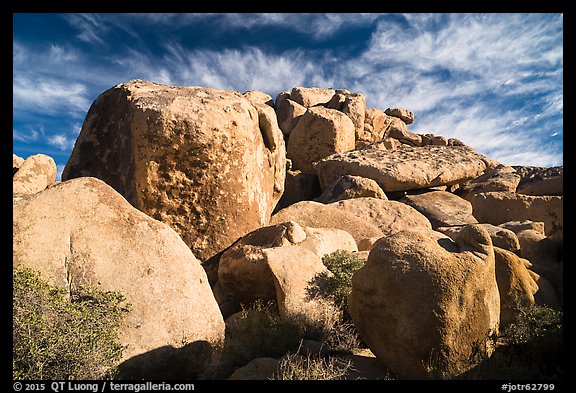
(339, 334)
(534, 344)
(58, 337)
(531, 348)
(342, 264)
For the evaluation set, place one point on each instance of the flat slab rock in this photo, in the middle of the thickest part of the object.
(406, 167)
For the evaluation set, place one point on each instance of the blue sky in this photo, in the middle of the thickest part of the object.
(495, 81)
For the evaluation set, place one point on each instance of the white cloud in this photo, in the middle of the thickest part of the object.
(241, 70)
(61, 141)
(58, 54)
(29, 137)
(316, 25)
(463, 75)
(91, 27)
(46, 95)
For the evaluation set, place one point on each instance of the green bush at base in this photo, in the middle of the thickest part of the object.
(58, 336)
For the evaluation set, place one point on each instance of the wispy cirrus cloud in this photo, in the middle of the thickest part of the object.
(91, 27)
(49, 96)
(318, 26)
(32, 135)
(246, 69)
(491, 80)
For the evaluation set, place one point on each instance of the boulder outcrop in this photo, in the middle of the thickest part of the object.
(404, 168)
(207, 162)
(499, 207)
(425, 304)
(82, 232)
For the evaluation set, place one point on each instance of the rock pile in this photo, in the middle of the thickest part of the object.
(165, 180)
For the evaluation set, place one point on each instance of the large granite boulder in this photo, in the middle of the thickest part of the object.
(517, 287)
(540, 180)
(426, 305)
(319, 215)
(281, 262)
(82, 232)
(499, 207)
(499, 178)
(406, 167)
(442, 208)
(207, 162)
(363, 218)
(319, 133)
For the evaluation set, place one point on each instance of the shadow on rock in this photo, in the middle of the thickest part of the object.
(167, 362)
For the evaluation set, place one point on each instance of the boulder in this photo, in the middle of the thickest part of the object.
(515, 285)
(389, 216)
(534, 244)
(404, 168)
(259, 97)
(361, 217)
(207, 162)
(347, 187)
(289, 114)
(319, 133)
(16, 163)
(311, 96)
(318, 215)
(441, 208)
(257, 369)
(374, 127)
(397, 130)
(34, 174)
(425, 305)
(540, 180)
(280, 262)
(82, 232)
(355, 108)
(437, 140)
(458, 142)
(501, 237)
(323, 241)
(499, 178)
(404, 114)
(499, 207)
(296, 273)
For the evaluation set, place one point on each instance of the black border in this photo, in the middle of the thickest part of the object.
(431, 6)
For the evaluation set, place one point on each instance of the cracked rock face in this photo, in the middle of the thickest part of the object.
(406, 167)
(82, 232)
(207, 162)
